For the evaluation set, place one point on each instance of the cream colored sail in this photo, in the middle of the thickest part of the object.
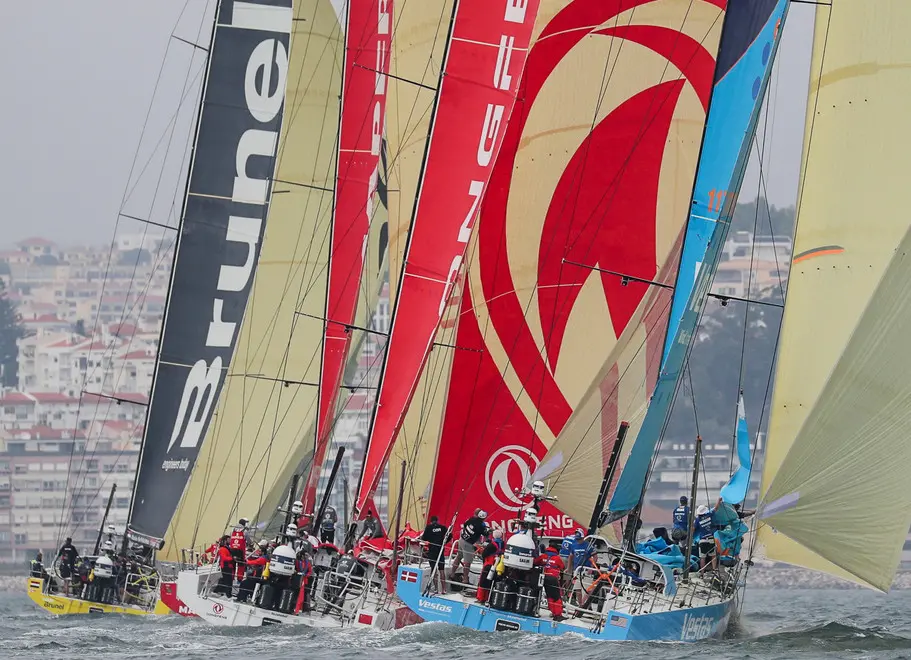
(838, 436)
(269, 401)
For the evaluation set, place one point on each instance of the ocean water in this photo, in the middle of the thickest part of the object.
(780, 623)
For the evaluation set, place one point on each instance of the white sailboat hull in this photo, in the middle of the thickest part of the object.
(382, 611)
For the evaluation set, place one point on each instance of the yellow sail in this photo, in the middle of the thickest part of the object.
(269, 400)
(835, 472)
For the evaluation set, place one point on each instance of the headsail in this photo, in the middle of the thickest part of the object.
(270, 397)
(363, 115)
(595, 172)
(487, 45)
(224, 219)
(735, 490)
(837, 454)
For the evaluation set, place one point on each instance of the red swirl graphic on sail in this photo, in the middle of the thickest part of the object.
(603, 212)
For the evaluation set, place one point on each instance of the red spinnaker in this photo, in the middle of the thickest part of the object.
(485, 57)
(363, 115)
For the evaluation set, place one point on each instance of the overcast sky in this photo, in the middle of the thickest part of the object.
(78, 79)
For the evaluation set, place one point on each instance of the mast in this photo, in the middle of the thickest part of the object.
(398, 523)
(593, 525)
(104, 520)
(335, 468)
(697, 455)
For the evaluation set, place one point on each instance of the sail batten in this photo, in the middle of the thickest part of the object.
(838, 431)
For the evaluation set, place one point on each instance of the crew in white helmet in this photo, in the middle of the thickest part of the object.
(472, 530)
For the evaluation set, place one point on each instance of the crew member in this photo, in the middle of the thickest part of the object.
(434, 538)
(553, 567)
(370, 527)
(227, 565)
(489, 556)
(305, 575)
(67, 556)
(237, 545)
(36, 570)
(472, 531)
(702, 533)
(256, 562)
(327, 525)
(681, 520)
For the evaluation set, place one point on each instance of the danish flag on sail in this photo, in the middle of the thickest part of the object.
(486, 54)
(363, 116)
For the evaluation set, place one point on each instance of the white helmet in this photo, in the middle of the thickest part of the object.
(110, 529)
(702, 510)
(108, 546)
(537, 489)
(291, 530)
(243, 522)
(482, 514)
(297, 508)
(531, 516)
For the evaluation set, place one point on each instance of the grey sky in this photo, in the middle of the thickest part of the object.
(79, 77)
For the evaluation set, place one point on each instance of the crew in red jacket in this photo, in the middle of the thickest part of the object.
(305, 571)
(226, 564)
(489, 556)
(553, 568)
(256, 562)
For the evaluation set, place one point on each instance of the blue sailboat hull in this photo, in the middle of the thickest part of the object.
(688, 624)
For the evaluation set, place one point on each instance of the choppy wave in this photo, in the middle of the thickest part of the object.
(774, 624)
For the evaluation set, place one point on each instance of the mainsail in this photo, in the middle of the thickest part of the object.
(486, 49)
(270, 397)
(753, 38)
(595, 173)
(220, 241)
(363, 111)
(838, 451)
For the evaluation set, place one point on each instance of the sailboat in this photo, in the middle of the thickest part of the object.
(551, 401)
(484, 51)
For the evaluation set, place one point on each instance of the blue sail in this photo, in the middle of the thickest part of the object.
(744, 61)
(736, 489)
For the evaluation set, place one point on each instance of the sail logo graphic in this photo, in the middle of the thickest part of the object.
(507, 471)
(264, 83)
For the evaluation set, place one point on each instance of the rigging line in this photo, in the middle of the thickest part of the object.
(724, 298)
(190, 43)
(148, 222)
(405, 80)
(741, 374)
(625, 279)
(347, 326)
(110, 254)
(647, 121)
(118, 399)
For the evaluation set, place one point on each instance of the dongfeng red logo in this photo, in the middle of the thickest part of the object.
(508, 470)
(218, 608)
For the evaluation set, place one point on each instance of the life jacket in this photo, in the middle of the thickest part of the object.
(550, 560)
(681, 515)
(256, 564)
(238, 539)
(703, 525)
(225, 558)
